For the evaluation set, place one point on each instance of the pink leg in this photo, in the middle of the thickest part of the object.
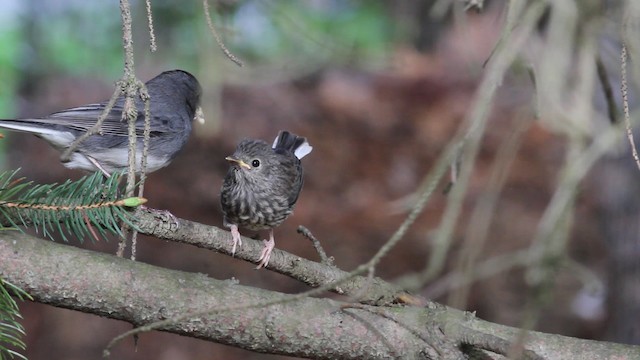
(265, 255)
(235, 236)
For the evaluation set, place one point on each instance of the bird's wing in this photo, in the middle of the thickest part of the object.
(84, 117)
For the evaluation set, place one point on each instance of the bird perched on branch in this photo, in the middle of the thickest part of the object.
(174, 103)
(262, 186)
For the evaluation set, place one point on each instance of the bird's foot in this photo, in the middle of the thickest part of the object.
(235, 237)
(265, 255)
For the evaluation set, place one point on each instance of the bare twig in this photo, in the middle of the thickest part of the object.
(612, 109)
(152, 36)
(625, 103)
(324, 259)
(214, 32)
(144, 95)
(454, 172)
(531, 71)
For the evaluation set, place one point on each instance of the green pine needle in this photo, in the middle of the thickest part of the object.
(11, 331)
(87, 207)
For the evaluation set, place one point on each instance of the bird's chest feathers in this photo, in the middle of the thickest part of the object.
(254, 188)
(255, 203)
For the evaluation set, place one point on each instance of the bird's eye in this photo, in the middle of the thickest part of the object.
(255, 163)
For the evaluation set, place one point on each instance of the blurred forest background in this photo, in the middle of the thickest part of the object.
(379, 88)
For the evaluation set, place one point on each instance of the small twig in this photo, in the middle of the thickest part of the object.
(216, 36)
(612, 109)
(324, 259)
(146, 137)
(625, 103)
(454, 172)
(532, 76)
(152, 36)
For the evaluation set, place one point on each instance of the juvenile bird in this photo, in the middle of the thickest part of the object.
(174, 103)
(262, 186)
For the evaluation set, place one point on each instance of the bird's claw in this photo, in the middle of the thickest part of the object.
(265, 255)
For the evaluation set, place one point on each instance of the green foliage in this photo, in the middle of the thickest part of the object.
(89, 206)
(80, 40)
(11, 331)
(9, 42)
(326, 31)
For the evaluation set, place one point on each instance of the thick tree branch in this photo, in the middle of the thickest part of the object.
(139, 293)
(309, 272)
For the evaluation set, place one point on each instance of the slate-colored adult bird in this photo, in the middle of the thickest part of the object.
(262, 186)
(174, 103)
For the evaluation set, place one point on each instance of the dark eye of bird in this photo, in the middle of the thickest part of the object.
(255, 163)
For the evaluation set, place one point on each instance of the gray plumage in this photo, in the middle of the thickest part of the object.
(174, 103)
(262, 185)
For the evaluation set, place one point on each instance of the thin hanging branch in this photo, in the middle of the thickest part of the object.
(625, 103)
(612, 110)
(132, 87)
(152, 36)
(216, 36)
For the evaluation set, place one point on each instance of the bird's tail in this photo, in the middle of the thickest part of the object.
(24, 125)
(298, 145)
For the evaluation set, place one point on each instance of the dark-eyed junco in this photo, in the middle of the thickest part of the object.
(174, 103)
(262, 186)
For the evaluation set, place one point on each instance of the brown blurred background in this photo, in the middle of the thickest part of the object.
(378, 88)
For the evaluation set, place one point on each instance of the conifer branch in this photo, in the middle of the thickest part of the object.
(11, 331)
(89, 206)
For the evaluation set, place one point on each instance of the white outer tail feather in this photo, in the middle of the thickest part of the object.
(302, 150)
